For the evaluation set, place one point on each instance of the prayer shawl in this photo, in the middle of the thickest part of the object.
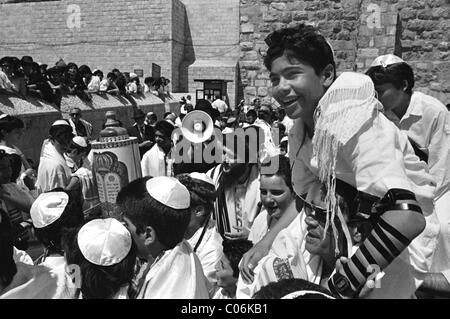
(53, 170)
(154, 164)
(177, 274)
(284, 261)
(224, 207)
(209, 250)
(345, 107)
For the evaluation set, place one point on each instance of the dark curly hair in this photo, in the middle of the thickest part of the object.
(234, 250)
(143, 210)
(303, 43)
(395, 74)
(284, 168)
(202, 193)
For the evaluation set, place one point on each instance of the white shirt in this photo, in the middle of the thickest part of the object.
(220, 105)
(177, 274)
(427, 122)
(260, 227)
(53, 170)
(209, 251)
(155, 163)
(270, 149)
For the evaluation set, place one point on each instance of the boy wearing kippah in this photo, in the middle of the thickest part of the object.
(158, 218)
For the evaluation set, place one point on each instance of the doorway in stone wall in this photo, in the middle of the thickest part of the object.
(211, 88)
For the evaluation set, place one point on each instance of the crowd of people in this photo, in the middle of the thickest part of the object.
(25, 77)
(357, 205)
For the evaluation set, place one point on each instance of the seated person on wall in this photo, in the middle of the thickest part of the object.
(38, 86)
(157, 219)
(134, 85)
(108, 85)
(94, 84)
(329, 130)
(120, 81)
(201, 233)
(277, 196)
(227, 270)
(85, 74)
(73, 83)
(106, 263)
(7, 79)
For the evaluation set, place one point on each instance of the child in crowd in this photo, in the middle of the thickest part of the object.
(227, 270)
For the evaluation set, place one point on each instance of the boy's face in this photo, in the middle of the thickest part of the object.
(224, 273)
(275, 195)
(139, 239)
(390, 96)
(296, 87)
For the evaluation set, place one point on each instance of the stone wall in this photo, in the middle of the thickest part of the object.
(425, 41)
(359, 30)
(214, 28)
(103, 34)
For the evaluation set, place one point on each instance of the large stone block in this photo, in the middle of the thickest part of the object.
(300, 16)
(262, 91)
(246, 46)
(280, 6)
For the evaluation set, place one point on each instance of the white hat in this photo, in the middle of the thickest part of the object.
(202, 177)
(47, 208)
(284, 139)
(80, 141)
(3, 115)
(104, 242)
(60, 122)
(133, 75)
(385, 60)
(169, 191)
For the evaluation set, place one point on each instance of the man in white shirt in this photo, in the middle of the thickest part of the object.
(53, 170)
(157, 161)
(220, 105)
